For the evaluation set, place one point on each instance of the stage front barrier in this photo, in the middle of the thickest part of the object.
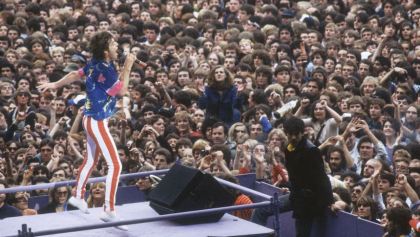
(141, 219)
(343, 224)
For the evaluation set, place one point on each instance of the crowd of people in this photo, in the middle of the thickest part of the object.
(212, 86)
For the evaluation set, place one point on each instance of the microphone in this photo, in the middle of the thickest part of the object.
(123, 56)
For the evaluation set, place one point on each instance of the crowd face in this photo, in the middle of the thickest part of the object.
(61, 195)
(159, 126)
(144, 184)
(6, 90)
(369, 169)
(294, 138)
(159, 161)
(2, 195)
(319, 112)
(21, 200)
(349, 183)
(364, 211)
(335, 161)
(375, 111)
(411, 114)
(183, 125)
(383, 185)
(98, 191)
(218, 135)
(389, 130)
(220, 74)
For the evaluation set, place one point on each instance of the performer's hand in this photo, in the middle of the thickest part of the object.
(47, 86)
(129, 60)
(335, 208)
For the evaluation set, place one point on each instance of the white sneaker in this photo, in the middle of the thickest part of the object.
(79, 203)
(111, 217)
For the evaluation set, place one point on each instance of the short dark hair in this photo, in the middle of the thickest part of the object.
(166, 153)
(293, 125)
(151, 26)
(220, 124)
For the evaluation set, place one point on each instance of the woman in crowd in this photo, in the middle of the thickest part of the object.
(96, 195)
(220, 96)
(58, 200)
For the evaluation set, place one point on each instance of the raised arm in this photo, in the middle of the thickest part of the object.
(335, 115)
(125, 74)
(347, 155)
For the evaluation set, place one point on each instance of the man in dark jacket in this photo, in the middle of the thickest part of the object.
(310, 192)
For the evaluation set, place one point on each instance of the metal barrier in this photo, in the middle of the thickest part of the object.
(123, 177)
(73, 182)
(27, 231)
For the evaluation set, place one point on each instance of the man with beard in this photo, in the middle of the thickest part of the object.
(336, 160)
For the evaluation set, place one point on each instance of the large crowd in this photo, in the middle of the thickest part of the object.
(213, 83)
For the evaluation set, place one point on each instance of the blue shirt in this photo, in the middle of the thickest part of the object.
(102, 85)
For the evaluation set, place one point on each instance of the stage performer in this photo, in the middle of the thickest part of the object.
(102, 86)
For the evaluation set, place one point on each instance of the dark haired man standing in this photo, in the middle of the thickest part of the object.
(310, 192)
(310, 189)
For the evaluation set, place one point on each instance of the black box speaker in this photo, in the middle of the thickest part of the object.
(187, 189)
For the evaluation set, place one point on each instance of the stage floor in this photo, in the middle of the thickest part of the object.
(227, 226)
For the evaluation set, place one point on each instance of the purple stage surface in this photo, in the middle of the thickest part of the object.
(227, 226)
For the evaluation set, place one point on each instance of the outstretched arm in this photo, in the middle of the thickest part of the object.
(67, 79)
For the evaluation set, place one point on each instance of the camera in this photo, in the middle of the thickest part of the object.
(204, 153)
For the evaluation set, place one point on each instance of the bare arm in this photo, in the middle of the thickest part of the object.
(166, 96)
(332, 112)
(221, 162)
(303, 104)
(125, 74)
(397, 112)
(67, 79)
(402, 180)
(77, 153)
(347, 155)
(75, 126)
(363, 124)
(378, 50)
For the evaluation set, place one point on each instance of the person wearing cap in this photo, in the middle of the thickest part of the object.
(287, 16)
(102, 86)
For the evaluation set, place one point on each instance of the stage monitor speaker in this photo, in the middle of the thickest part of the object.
(187, 189)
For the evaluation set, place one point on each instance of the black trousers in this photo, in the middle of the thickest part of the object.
(303, 226)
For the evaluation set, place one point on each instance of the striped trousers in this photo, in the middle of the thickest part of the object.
(99, 140)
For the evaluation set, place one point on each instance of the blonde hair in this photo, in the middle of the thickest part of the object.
(200, 144)
(90, 198)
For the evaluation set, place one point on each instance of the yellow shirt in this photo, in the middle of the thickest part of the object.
(290, 147)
